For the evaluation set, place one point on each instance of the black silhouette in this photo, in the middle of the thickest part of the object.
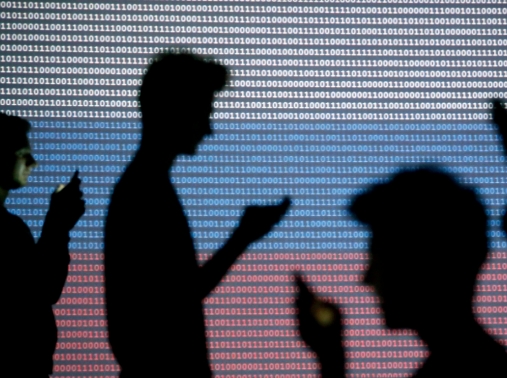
(154, 286)
(427, 246)
(500, 119)
(320, 327)
(33, 275)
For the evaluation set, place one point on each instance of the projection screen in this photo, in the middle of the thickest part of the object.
(324, 99)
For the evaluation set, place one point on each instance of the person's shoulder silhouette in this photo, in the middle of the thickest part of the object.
(427, 246)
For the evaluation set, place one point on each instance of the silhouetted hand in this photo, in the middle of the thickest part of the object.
(257, 221)
(320, 327)
(66, 206)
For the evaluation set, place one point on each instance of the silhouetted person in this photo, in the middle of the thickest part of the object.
(154, 286)
(33, 274)
(427, 246)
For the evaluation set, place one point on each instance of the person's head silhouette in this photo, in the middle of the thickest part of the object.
(16, 160)
(428, 243)
(176, 101)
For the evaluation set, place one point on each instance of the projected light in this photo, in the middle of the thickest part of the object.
(324, 99)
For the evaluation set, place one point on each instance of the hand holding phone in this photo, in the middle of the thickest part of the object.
(67, 204)
(257, 221)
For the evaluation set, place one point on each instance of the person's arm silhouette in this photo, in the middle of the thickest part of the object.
(257, 221)
(320, 327)
(65, 209)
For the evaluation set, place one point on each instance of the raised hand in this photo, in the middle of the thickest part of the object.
(320, 327)
(257, 221)
(66, 206)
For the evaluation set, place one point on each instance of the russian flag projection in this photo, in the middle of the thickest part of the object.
(324, 99)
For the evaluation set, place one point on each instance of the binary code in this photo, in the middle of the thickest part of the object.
(324, 99)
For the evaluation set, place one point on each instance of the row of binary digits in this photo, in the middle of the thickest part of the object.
(146, 217)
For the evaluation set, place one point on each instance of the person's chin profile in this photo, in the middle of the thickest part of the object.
(23, 178)
(195, 146)
(393, 318)
(17, 184)
(392, 322)
(190, 149)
